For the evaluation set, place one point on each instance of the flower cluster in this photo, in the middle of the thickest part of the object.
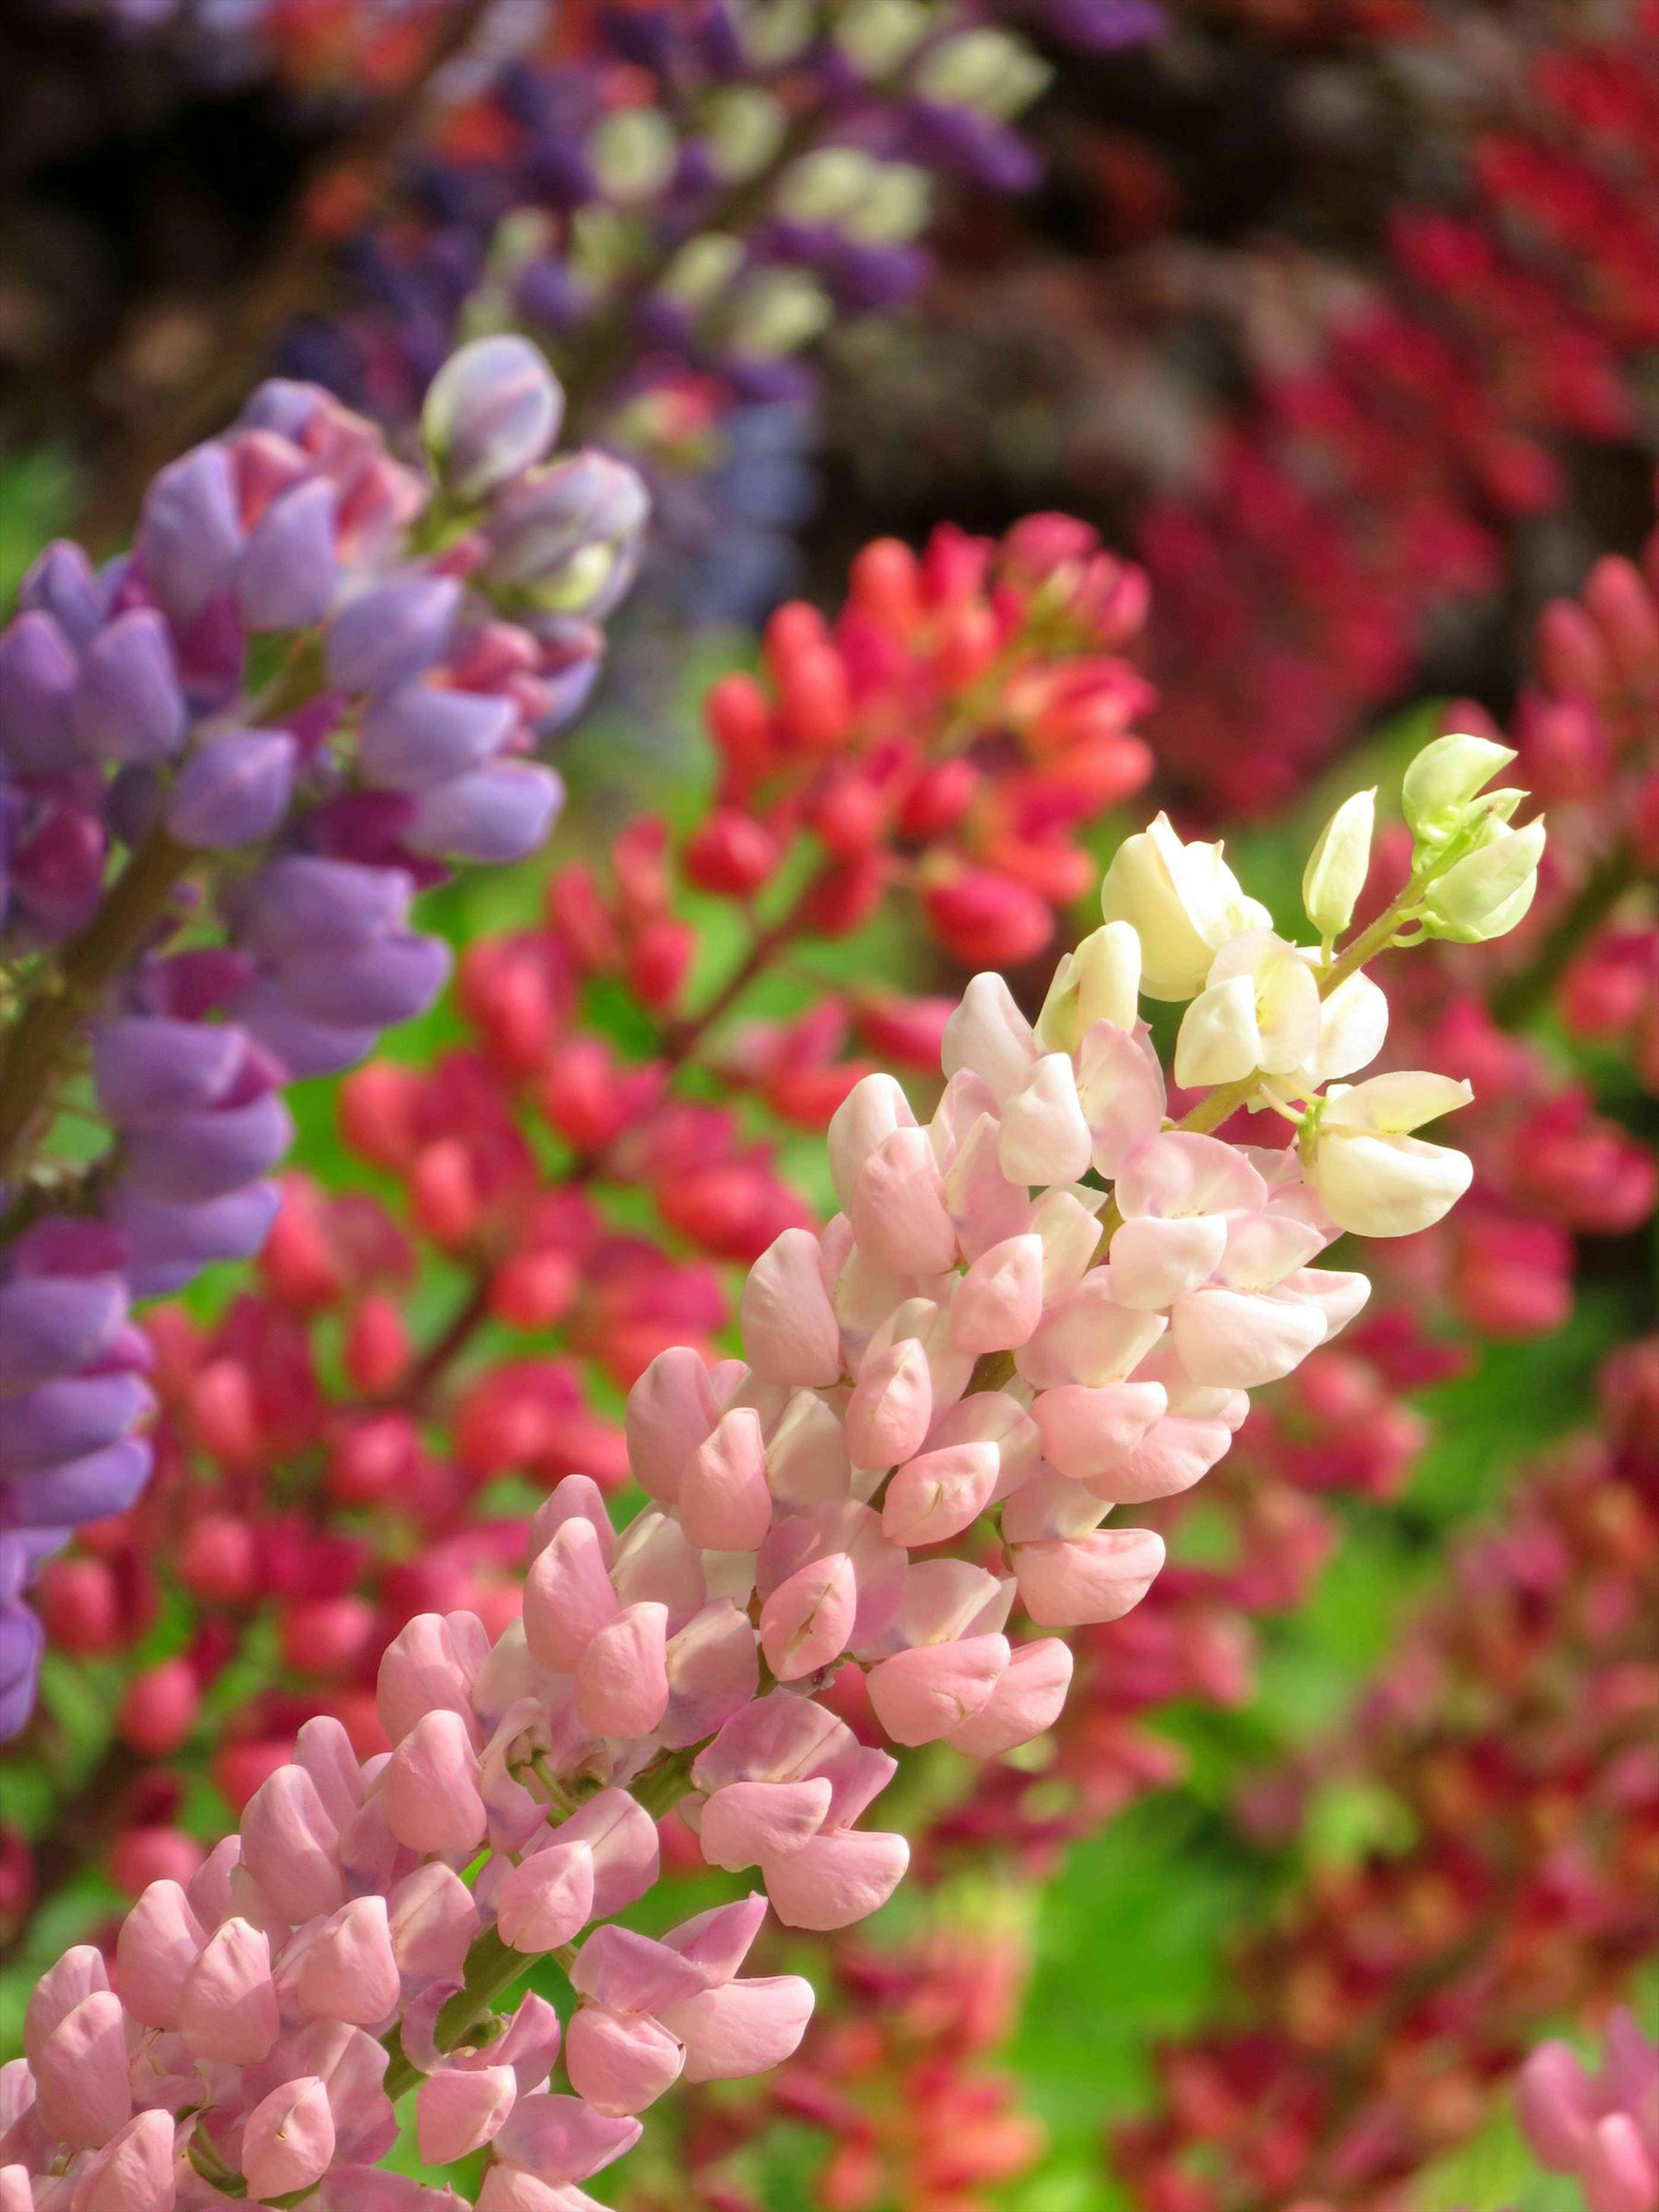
(230, 760)
(1604, 2129)
(1513, 1732)
(676, 202)
(1041, 1304)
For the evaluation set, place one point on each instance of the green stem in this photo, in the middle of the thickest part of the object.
(52, 1016)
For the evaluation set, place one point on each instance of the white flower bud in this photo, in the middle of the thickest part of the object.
(1184, 903)
(1260, 1009)
(1442, 780)
(986, 70)
(1335, 874)
(632, 153)
(492, 411)
(1100, 982)
(743, 127)
(1372, 1176)
(879, 36)
(1485, 893)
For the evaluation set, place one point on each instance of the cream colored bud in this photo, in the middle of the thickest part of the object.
(743, 128)
(1336, 870)
(1442, 780)
(1183, 902)
(1485, 893)
(1375, 1178)
(986, 70)
(633, 152)
(879, 36)
(1100, 982)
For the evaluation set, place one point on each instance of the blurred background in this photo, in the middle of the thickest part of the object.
(1341, 319)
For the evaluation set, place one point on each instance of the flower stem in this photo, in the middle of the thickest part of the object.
(52, 1016)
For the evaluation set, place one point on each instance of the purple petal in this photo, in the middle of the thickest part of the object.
(191, 532)
(83, 1490)
(391, 633)
(21, 1642)
(302, 1048)
(54, 1325)
(494, 409)
(62, 584)
(208, 1156)
(68, 1420)
(233, 789)
(150, 1071)
(127, 704)
(495, 815)
(171, 1243)
(300, 906)
(288, 573)
(386, 982)
(37, 675)
(422, 734)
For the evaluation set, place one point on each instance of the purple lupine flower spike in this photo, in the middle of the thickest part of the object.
(392, 743)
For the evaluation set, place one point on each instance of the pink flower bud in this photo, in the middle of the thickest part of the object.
(939, 1493)
(1044, 1138)
(429, 1788)
(432, 1661)
(1086, 1432)
(836, 1879)
(133, 2173)
(229, 2010)
(998, 1301)
(1239, 1339)
(569, 1596)
(80, 1972)
(288, 2140)
(1026, 1699)
(431, 1918)
(743, 2028)
(1618, 2173)
(921, 1695)
(790, 1334)
(1066, 1583)
(290, 1846)
(619, 2063)
(1555, 2105)
(622, 1681)
(1172, 1456)
(890, 1407)
(622, 1837)
(725, 1504)
(713, 1673)
(576, 1497)
(988, 1034)
(898, 1211)
(807, 1620)
(159, 1708)
(670, 1409)
(83, 2089)
(548, 1899)
(749, 1821)
(350, 1973)
(457, 2113)
(872, 1109)
(159, 1941)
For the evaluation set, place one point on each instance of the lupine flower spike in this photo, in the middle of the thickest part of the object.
(1047, 1302)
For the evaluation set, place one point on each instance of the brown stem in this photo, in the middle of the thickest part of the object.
(52, 1015)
